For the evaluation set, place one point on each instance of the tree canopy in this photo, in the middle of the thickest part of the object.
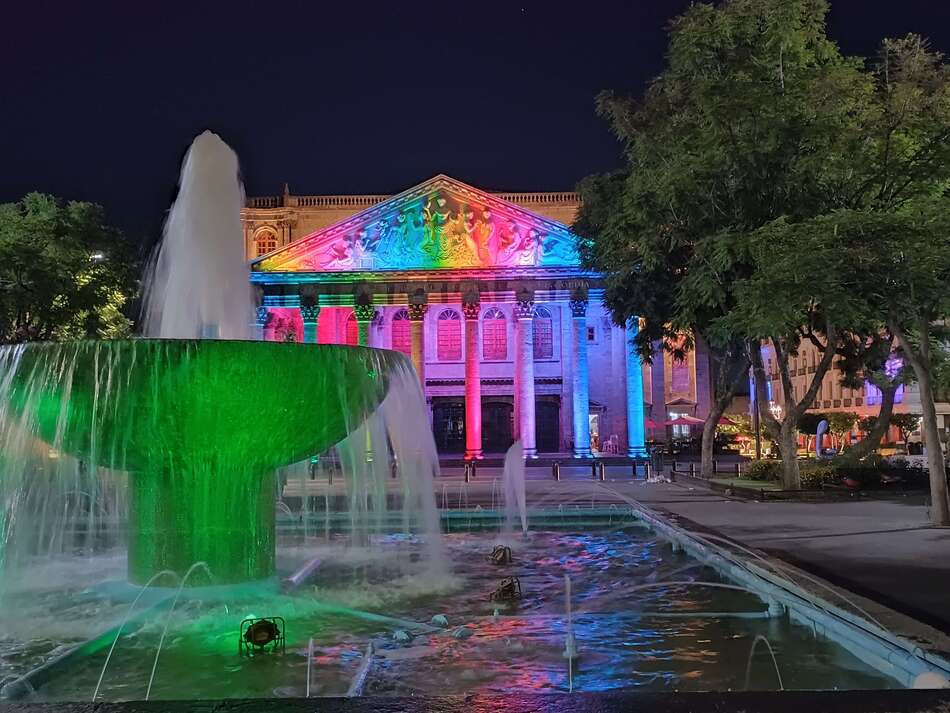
(64, 272)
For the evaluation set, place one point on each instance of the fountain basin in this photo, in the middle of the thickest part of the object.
(200, 427)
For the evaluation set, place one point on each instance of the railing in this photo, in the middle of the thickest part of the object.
(365, 201)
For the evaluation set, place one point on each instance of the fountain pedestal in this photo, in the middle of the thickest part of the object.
(225, 520)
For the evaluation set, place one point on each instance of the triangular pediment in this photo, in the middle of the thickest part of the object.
(439, 224)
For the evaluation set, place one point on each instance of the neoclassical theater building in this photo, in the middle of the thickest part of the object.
(485, 293)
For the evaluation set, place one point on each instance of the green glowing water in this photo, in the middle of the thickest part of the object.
(200, 426)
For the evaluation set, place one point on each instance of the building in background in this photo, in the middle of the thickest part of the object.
(833, 396)
(486, 295)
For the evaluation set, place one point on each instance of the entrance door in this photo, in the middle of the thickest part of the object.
(448, 425)
(547, 431)
(496, 426)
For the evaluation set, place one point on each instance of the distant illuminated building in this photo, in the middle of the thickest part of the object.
(485, 293)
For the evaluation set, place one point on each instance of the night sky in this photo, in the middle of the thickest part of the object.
(100, 99)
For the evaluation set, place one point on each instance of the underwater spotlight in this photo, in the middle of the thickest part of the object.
(264, 635)
(508, 591)
(501, 555)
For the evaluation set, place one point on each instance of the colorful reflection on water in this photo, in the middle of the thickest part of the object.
(670, 637)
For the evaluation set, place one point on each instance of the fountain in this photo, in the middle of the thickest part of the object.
(199, 425)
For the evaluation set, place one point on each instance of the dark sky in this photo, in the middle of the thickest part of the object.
(100, 99)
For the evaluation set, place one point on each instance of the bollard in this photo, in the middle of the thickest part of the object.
(714, 466)
(648, 470)
(556, 470)
(593, 469)
(601, 471)
(466, 471)
(673, 467)
(692, 470)
(738, 469)
(474, 468)
(633, 469)
(330, 476)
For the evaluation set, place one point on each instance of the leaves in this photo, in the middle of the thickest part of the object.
(64, 273)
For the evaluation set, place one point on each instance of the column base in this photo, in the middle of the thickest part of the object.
(530, 452)
(637, 452)
(474, 455)
(583, 453)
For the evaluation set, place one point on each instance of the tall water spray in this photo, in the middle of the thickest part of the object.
(197, 285)
(513, 477)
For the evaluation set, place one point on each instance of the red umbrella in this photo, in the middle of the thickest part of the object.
(726, 422)
(650, 423)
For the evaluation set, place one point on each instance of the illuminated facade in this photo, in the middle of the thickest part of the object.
(485, 293)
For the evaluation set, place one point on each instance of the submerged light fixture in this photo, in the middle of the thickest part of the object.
(261, 635)
(508, 591)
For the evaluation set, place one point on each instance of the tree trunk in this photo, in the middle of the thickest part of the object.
(873, 440)
(920, 361)
(788, 447)
(939, 505)
(709, 437)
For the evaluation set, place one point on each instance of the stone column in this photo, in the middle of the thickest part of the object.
(524, 375)
(417, 314)
(310, 316)
(365, 314)
(263, 318)
(473, 380)
(580, 379)
(636, 443)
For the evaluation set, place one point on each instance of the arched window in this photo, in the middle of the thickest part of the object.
(450, 335)
(265, 241)
(543, 334)
(494, 335)
(352, 330)
(402, 332)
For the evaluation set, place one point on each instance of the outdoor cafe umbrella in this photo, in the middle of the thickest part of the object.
(725, 421)
(651, 424)
(685, 421)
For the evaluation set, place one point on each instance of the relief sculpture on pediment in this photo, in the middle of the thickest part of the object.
(434, 231)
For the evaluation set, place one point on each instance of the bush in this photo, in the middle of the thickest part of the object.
(763, 470)
(815, 476)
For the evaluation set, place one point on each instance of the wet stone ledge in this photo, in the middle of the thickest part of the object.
(899, 701)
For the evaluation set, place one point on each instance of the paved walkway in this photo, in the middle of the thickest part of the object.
(882, 549)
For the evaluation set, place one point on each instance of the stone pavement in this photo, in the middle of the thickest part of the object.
(884, 550)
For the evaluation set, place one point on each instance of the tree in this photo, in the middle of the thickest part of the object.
(64, 273)
(906, 423)
(841, 423)
(737, 131)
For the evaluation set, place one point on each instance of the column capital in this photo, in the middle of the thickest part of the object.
(364, 313)
(417, 312)
(309, 313)
(524, 309)
(471, 309)
(578, 308)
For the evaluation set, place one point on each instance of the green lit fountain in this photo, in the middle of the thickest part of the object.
(200, 426)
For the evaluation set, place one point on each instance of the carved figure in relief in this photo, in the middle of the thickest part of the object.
(485, 235)
(508, 242)
(435, 216)
(340, 253)
(554, 249)
(477, 246)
